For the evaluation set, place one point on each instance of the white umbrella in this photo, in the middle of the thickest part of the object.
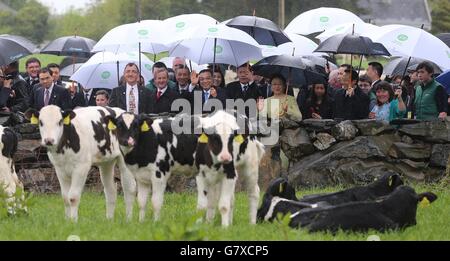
(218, 44)
(182, 26)
(299, 46)
(104, 69)
(402, 40)
(145, 36)
(168, 62)
(320, 19)
(364, 29)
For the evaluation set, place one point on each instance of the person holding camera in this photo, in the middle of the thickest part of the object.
(389, 103)
(14, 90)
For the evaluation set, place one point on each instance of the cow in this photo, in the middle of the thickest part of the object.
(395, 211)
(9, 181)
(280, 196)
(76, 140)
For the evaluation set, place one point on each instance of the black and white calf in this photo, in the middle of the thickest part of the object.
(75, 141)
(8, 177)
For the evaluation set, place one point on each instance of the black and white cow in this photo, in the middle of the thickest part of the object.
(75, 141)
(8, 177)
(395, 211)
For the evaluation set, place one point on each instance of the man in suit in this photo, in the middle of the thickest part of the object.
(163, 97)
(32, 66)
(131, 96)
(55, 73)
(157, 67)
(244, 89)
(48, 93)
(211, 97)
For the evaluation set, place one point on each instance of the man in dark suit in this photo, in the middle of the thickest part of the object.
(244, 89)
(130, 96)
(32, 66)
(211, 97)
(161, 100)
(48, 93)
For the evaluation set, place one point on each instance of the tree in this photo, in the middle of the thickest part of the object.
(31, 21)
(440, 10)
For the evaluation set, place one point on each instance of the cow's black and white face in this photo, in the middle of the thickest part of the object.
(128, 127)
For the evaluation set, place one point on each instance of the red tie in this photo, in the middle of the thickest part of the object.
(158, 95)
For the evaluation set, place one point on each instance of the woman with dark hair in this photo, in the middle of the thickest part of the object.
(389, 105)
(319, 105)
(218, 78)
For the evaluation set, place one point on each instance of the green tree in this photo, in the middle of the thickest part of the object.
(31, 21)
(440, 10)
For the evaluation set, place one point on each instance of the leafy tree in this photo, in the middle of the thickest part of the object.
(440, 10)
(31, 21)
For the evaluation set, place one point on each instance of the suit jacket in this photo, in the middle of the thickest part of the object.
(234, 91)
(18, 102)
(119, 99)
(164, 103)
(78, 100)
(59, 97)
(92, 98)
(221, 96)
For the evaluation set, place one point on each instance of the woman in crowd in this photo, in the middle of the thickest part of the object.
(319, 105)
(218, 78)
(389, 105)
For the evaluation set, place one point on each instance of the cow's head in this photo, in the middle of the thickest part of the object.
(387, 183)
(52, 121)
(128, 127)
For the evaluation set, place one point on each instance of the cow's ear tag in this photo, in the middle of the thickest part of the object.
(280, 188)
(424, 203)
(145, 127)
(111, 125)
(66, 120)
(203, 138)
(390, 181)
(239, 139)
(34, 120)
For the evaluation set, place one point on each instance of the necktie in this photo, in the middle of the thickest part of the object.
(132, 101)
(245, 88)
(86, 98)
(46, 97)
(158, 95)
(205, 97)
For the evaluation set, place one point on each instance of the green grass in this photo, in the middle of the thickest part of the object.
(44, 58)
(45, 221)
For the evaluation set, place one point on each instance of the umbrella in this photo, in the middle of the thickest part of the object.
(70, 46)
(299, 46)
(293, 68)
(181, 27)
(398, 65)
(402, 40)
(70, 69)
(104, 69)
(264, 31)
(144, 36)
(320, 19)
(192, 65)
(444, 79)
(351, 44)
(363, 29)
(22, 41)
(445, 38)
(218, 44)
(11, 51)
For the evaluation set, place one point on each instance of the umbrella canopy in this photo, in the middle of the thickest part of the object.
(444, 79)
(181, 27)
(299, 46)
(445, 38)
(22, 41)
(11, 51)
(292, 68)
(145, 36)
(195, 67)
(264, 31)
(104, 69)
(320, 19)
(402, 40)
(70, 46)
(70, 69)
(397, 65)
(363, 29)
(218, 44)
(351, 44)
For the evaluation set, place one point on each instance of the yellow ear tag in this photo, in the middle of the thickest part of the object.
(145, 127)
(34, 120)
(67, 120)
(280, 189)
(203, 138)
(390, 181)
(111, 125)
(239, 139)
(424, 203)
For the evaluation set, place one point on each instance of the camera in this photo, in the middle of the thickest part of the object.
(10, 76)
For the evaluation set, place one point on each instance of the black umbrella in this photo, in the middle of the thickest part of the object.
(263, 30)
(445, 38)
(293, 68)
(398, 65)
(22, 41)
(351, 44)
(75, 46)
(11, 51)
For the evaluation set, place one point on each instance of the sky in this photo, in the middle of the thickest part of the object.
(60, 6)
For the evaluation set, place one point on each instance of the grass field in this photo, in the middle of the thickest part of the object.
(45, 221)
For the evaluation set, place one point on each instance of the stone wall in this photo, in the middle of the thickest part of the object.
(353, 152)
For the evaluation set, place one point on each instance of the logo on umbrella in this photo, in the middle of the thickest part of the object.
(75, 49)
(143, 32)
(180, 25)
(219, 49)
(148, 66)
(15, 57)
(340, 28)
(448, 54)
(324, 19)
(213, 29)
(105, 75)
(402, 37)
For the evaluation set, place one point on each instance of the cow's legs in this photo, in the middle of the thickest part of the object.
(128, 186)
(64, 183)
(202, 193)
(158, 188)
(107, 177)
(251, 175)
(143, 189)
(225, 201)
(79, 176)
(212, 198)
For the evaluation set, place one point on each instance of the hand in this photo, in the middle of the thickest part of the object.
(442, 115)
(372, 115)
(398, 93)
(5, 109)
(316, 116)
(194, 78)
(213, 92)
(350, 91)
(260, 104)
(7, 83)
